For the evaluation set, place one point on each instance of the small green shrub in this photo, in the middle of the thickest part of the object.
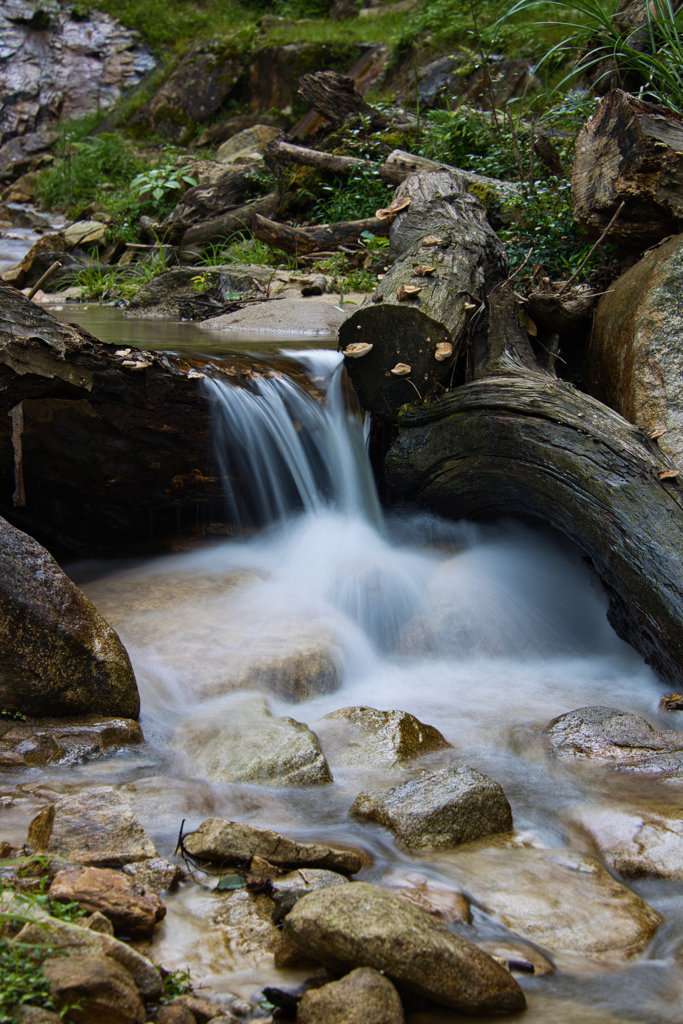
(353, 197)
(157, 182)
(175, 983)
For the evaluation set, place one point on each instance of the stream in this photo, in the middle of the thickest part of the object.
(485, 631)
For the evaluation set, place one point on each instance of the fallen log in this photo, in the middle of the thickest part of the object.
(317, 238)
(333, 95)
(219, 228)
(629, 152)
(521, 442)
(103, 448)
(413, 330)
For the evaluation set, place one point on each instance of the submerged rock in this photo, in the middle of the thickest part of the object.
(62, 740)
(561, 900)
(366, 738)
(362, 997)
(254, 746)
(57, 654)
(625, 741)
(442, 901)
(95, 826)
(635, 842)
(451, 806)
(363, 925)
(232, 842)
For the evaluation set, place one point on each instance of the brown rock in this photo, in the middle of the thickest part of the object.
(625, 741)
(131, 910)
(174, 1013)
(95, 988)
(58, 655)
(231, 842)
(365, 737)
(362, 997)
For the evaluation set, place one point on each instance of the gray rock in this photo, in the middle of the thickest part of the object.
(247, 144)
(156, 875)
(364, 737)
(103, 990)
(625, 741)
(362, 997)
(62, 740)
(253, 746)
(96, 826)
(57, 654)
(452, 806)
(85, 233)
(362, 925)
(635, 360)
(636, 842)
(52, 65)
(232, 842)
(564, 901)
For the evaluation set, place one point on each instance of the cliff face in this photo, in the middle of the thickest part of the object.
(54, 64)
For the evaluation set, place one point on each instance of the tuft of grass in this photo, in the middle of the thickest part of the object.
(650, 52)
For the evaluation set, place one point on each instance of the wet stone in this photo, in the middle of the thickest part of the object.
(367, 738)
(96, 826)
(104, 991)
(635, 842)
(625, 741)
(64, 740)
(451, 806)
(366, 925)
(230, 842)
(131, 910)
(362, 997)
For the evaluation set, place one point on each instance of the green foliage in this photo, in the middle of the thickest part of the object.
(546, 233)
(21, 979)
(475, 141)
(244, 248)
(647, 57)
(161, 183)
(84, 166)
(351, 197)
(163, 24)
(175, 983)
(5, 713)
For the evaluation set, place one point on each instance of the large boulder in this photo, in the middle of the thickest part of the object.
(59, 656)
(63, 740)
(452, 806)
(644, 840)
(635, 360)
(252, 745)
(95, 826)
(363, 925)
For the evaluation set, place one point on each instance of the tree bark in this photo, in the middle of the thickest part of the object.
(630, 152)
(418, 316)
(333, 95)
(317, 238)
(521, 442)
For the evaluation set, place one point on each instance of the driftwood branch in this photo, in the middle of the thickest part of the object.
(317, 238)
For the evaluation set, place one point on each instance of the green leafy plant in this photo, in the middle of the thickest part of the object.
(353, 197)
(157, 182)
(22, 981)
(175, 983)
(12, 714)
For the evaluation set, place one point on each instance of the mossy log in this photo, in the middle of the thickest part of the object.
(632, 153)
(416, 322)
(103, 448)
(521, 442)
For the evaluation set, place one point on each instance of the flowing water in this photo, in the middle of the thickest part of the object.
(485, 631)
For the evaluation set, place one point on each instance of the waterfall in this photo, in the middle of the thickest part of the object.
(280, 451)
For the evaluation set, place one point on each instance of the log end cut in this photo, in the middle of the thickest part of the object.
(398, 334)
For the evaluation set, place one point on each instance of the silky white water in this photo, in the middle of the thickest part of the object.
(486, 632)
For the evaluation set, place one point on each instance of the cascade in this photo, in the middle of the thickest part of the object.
(486, 632)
